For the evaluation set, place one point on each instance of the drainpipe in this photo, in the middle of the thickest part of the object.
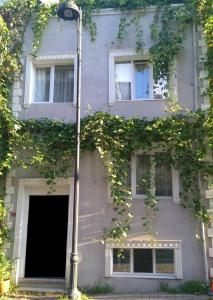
(195, 65)
(203, 236)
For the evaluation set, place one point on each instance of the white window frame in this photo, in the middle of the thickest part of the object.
(132, 82)
(47, 61)
(125, 55)
(175, 180)
(141, 244)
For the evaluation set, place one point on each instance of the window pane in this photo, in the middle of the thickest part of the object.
(142, 173)
(165, 261)
(163, 177)
(142, 81)
(63, 84)
(143, 261)
(121, 260)
(160, 89)
(123, 81)
(127, 179)
(42, 85)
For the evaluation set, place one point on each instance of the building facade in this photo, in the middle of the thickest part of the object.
(116, 80)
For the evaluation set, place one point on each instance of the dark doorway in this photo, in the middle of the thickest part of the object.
(47, 236)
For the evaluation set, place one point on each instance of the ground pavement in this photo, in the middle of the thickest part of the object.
(159, 296)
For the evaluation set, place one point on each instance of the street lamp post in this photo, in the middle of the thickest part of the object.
(69, 11)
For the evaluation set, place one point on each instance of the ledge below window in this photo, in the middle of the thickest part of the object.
(114, 102)
(145, 276)
(27, 105)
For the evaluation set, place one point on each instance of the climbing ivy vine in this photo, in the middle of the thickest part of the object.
(47, 145)
(205, 10)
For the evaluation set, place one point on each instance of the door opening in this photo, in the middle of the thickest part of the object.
(46, 237)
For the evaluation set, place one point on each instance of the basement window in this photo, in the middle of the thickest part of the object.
(143, 259)
(152, 261)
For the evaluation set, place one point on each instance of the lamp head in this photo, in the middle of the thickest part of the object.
(68, 11)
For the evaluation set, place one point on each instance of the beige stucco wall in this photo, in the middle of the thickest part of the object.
(60, 38)
(172, 223)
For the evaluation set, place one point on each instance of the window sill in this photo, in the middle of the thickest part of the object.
(52, 102)
(27, 105)
(113, 102)
(143, 197)
(145, 276)
(140, 100)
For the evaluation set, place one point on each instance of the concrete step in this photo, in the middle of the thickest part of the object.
(42, 286)
(210, 232)
(209, 194)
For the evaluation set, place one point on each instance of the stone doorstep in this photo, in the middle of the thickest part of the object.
(45, 291)
(31, 291)
(35, 296)
(41, 287)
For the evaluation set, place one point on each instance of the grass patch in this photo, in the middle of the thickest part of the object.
(84, 297)
(164, 287)
(97, 289)
(194, 287)
(13, 288)
(188, 287)
(66, 297)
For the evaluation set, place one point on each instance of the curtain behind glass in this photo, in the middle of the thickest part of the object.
(142, 173)
(63, 84)
(163, 177)
(121, 260)
(42, 85)
(142, 81)
(123, 81)
(165, 261)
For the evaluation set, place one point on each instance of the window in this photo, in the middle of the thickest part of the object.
(121, 260)
(50, 79)
(131, 77)
(143, 260)
(134, 81)
(156, 259)
(54, 84)
(152, 172)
